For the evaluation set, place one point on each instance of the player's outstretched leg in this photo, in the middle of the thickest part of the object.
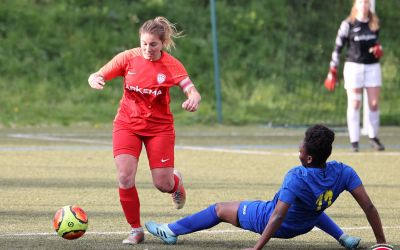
(179, 196)
(349, 242)
(201, 220)
(161, 231)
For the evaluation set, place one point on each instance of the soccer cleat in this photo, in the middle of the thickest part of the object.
(349, 242)
(136, 236)
(179, 196)
(161, 231)
(355, 147)
(376, 144)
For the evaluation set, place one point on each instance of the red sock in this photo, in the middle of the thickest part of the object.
(176, 185)
(130, 203)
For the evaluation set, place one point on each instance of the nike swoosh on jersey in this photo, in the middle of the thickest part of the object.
(131, 73)
(164, 160)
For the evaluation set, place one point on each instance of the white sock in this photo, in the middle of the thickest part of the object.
(353, 123)
(137, 229)
(373, 124)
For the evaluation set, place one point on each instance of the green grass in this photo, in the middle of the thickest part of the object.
(49, 48)
(43, 169)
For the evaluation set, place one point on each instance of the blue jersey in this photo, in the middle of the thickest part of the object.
(309, 191)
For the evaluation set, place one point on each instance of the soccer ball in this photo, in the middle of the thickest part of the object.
(70, 222)
(382, 247)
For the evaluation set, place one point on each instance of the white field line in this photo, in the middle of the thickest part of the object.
(193, 148)
(266, 134)
(255, 152)
(233, 151)
(226, 231)
(55, 138)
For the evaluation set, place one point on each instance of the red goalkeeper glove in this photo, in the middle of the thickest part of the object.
(331, 80)
(376, 50)
(382, 247)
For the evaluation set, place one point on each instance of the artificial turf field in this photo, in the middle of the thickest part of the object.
(43, 169)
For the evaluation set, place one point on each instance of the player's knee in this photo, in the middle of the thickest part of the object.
(126, 180)
(373, 106)
(163, 186)
(354, 100)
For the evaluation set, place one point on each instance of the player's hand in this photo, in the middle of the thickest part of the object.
(382, 247)
(331, 80)
(191, 104)
(376, 50)
(96, 81)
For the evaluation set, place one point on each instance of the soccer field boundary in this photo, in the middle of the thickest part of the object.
(46, 137)
(230, 150)
(233, 148)
(225, 231)
(255, 152)
(70, 136)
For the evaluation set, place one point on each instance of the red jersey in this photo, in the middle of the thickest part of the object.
(145, 102)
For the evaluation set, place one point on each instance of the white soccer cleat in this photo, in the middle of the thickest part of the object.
(179, 196)
(136, 236)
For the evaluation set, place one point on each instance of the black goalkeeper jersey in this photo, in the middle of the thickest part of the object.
(359, 39)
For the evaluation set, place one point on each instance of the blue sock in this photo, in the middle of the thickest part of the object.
(327, 225)
(201, 220)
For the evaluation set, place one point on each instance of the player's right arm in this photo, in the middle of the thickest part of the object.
(274, 222)
(96, 81)
(340, 41)
(331, 80)
(287, 196)
(361, 196)
(112, 69)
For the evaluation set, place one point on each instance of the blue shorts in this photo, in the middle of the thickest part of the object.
(254, 216)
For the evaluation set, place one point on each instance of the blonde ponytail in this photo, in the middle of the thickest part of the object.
(163, 28)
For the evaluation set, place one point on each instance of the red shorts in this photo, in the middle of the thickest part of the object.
(159, 148)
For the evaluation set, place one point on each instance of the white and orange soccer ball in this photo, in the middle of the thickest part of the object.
(382, 247)
(70, 222)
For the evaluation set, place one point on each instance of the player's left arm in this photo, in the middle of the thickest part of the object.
(376, 49)
(192, 102)
(275, 221)
(361, 196)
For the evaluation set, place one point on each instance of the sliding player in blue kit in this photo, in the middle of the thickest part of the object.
(298, 206)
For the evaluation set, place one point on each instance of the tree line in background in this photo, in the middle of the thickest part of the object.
(274, 56)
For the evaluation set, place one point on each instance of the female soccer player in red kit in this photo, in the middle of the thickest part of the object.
(144, 116)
